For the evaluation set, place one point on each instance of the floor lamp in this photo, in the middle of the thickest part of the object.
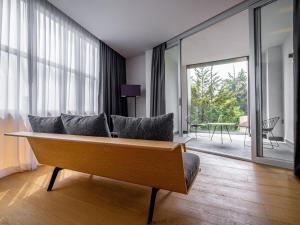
(131, 91)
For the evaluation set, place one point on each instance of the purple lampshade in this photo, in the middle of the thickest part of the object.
(130, 90)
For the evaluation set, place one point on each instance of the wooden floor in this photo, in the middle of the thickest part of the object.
(227, 191)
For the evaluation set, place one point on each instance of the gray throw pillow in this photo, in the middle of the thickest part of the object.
(154, 128)
(86, 125)
(46, 124)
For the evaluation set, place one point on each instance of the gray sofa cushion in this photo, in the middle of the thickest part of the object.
(191, 164)
(154, 128)
(86, 125)
(46, 124)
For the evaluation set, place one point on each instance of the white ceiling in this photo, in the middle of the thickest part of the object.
(230, 37)
(277, 23)
(133, 26)
(224, 40)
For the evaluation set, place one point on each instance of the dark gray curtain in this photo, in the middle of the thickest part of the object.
(112, 76)
(297, 83)
(157, 102)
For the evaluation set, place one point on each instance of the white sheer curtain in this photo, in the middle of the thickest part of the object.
(48, 65)
(64, 63)
(15, 155)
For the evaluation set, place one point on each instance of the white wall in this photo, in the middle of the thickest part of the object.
(274, 88)
(288, 83)
(278, 88)
(135, 74)
(224, 40)
(264, 84)
(138, 71)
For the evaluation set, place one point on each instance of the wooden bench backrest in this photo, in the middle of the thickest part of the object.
(150, 163)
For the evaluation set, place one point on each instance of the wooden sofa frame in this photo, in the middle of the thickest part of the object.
(157, 164)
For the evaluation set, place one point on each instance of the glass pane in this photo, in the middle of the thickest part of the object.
(277, 82)
(171, 84)
(215, 93)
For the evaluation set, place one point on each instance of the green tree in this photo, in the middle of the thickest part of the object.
(205, 87)
(217, 100)
(238, 84)
(226, 106)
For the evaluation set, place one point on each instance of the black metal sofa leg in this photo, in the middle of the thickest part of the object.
(53, 177)
(152, 205)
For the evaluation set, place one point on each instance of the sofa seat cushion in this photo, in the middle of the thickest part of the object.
(46, 124)
(191, 164)
(86, 125)
(155, 128)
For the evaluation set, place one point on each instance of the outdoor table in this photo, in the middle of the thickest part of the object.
(221, 125)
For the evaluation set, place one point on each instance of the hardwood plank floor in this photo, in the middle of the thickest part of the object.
(226, 191)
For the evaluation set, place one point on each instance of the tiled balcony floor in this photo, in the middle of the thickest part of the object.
(236, 148)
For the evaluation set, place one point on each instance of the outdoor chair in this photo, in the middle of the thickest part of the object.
(196, 126)
(268, 126)
(244, 124)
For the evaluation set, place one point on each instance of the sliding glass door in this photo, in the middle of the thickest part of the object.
(215, 88)
(273, 83)
(261, 115)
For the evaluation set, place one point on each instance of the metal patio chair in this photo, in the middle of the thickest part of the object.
(268, 126)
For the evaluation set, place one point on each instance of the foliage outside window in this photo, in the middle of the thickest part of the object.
(219, 92)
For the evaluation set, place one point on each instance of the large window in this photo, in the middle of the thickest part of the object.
(48, 63)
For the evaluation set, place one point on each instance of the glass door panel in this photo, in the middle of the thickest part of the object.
(274, 30)
(172, 90)
(215, 96)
